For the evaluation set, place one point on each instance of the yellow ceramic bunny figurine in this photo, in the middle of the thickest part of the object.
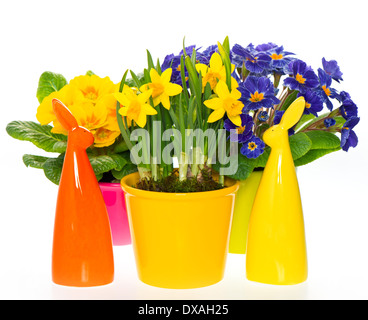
(276, 248)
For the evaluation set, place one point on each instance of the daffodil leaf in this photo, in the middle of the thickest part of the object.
(48, 83)
(34, 161)
(137, 82)
(40, 136)
(89, 73)
(150, 61)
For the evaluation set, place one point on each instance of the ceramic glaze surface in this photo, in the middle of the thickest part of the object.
(116, 208)
(180, 241)
(276, 248)
(82, 246)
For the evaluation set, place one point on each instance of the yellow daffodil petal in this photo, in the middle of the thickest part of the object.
(201, 68)
(165, 100)
(149, 110)
(234, 83)
(155, 77)
(216, 62)
(235, 94)
(122, 98)
(221, 89)
(142, 119)
(213, 103)
(166, 75)
(123, 111)
(144, 96)
(216, 115)
(173, 89)
(236, 120)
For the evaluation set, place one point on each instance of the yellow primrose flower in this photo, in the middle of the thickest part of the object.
(135, 107)
(93, 87)
(91, 101)
(225, 102)
(69, 95)
(162, 87)
(215, 72)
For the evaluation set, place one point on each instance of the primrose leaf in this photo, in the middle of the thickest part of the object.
(323, 139)
(48, 83)
(40, 136)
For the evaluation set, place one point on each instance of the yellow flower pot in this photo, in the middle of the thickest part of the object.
(180, 240)
(243, 207)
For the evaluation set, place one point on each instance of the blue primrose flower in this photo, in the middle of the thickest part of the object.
(252, 148)
(263, 116)
(326, 91)
(329, 122)
(348, 136)
(331, 68)
(313, 102)
(348, 108)
(279, 57)
(242, 133)
(302, 77)
(257, 92)
(255, 62)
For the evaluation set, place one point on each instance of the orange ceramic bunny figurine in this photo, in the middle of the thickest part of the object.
(82, 248)
(276, 249)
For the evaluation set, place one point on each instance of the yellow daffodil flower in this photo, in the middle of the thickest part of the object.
(135, 107)
(214, 72)
(162, 88)
(225, 102)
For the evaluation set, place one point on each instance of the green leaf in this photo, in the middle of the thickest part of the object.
(33, 161)
(304, 120)
(89, 73)
(225, 55)
(323, 139)
(300, 144)
(150, 61)
(313, 155)
(48, 83)
(289, 100)
(119, 160)
(53, 167)
(127, 169)
(103, 163)
(40, 136)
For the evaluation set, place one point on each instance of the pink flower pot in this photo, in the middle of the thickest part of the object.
(115, 204)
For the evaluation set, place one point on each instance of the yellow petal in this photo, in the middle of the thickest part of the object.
(234, 83)
(215, 62)
(222, 90)
(236, 120)
(173, 89)
(213, 103)
(235, 94)
(200, 67)
(216, 115)
(123, 111)
(122, 98)
(165, 100)
(155, 77)
(144, 96)
(166, 75)
(142, 119)
(148, 109)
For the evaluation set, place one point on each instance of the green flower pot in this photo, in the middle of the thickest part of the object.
(242, 209)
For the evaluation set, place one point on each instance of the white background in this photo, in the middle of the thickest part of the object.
(108, 37)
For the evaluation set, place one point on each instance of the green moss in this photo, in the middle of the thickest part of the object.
(172, 184)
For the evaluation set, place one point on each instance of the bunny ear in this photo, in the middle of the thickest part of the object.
(64, 115)
(293, 113)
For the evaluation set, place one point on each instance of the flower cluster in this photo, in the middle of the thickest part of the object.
(259, 71)
(90, 99)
